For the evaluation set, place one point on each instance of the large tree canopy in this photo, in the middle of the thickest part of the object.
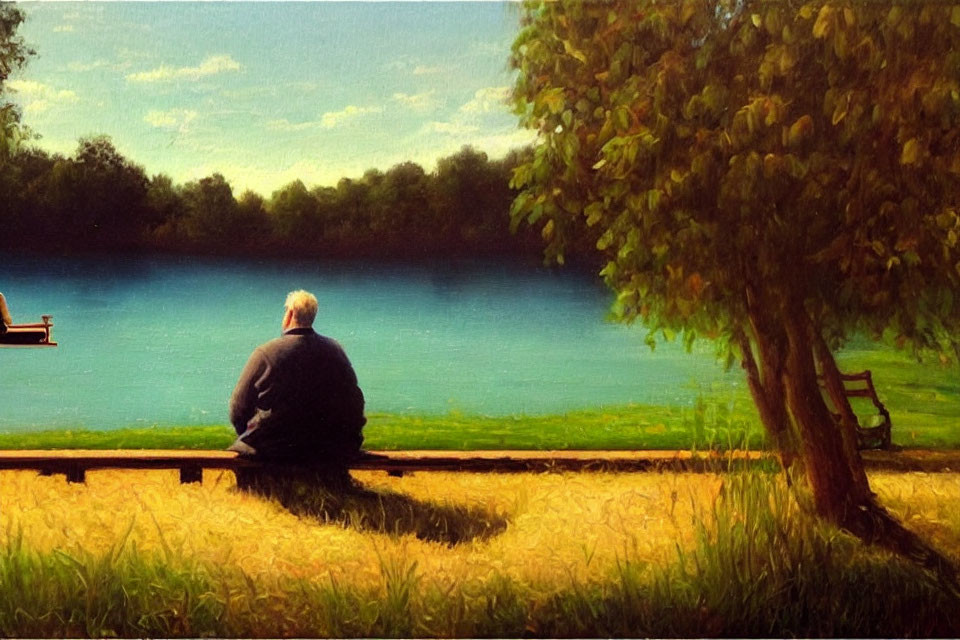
(777, 175)
(13, 55)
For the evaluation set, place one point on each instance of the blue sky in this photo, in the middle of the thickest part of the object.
(266, 93)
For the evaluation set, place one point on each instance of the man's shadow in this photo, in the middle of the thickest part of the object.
(337, 498)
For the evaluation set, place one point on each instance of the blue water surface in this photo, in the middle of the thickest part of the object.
(148, 340)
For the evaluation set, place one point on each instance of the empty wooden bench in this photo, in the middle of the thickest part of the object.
(860, 385)
(75, 463)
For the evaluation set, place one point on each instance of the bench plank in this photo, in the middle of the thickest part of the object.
(190, 463)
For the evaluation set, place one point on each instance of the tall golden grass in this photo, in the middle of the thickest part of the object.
(473, 554)
(561, 528)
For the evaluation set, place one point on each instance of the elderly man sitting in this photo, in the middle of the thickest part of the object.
(297, 400)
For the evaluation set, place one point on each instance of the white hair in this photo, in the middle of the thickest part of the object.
(304, 306)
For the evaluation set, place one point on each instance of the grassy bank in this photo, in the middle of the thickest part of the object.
(629, 427)
(455, 555)
(705, 426)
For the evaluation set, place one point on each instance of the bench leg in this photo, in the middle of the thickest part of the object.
(76, 474)
(191, 474)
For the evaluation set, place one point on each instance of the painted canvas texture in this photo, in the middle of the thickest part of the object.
(653, 307)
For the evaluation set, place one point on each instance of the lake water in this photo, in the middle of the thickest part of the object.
(161, 340)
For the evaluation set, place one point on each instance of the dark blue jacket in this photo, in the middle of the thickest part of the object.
(298, 399)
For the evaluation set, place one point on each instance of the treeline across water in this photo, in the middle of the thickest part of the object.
(99, 200)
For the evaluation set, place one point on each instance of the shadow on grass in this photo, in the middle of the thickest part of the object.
(337, 498)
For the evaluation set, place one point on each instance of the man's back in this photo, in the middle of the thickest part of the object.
(298, 399)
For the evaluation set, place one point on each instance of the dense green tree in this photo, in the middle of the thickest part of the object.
(167, 207)
(777, 175)
(94, 200)
(402, 211)
(13, 55)
(353, 207)
(468, 195)
(294, 213)
(253, 224)
(100, 200)
(210, 211)
(108, 195)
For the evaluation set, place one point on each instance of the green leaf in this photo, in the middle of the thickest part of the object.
(946, 219)
(535, 214)
(800, 130)
(574, 52)
(911, 152)
(651, 340)
(841, 111)
(689, 337)
(594, 212)
(605, 240)
(621, 117)
(547, 231)
(554, 100)
(824, 21)
(653, 199)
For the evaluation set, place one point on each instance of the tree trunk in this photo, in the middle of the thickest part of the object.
(841, 491)
(768, 394)
(835, 479)
(766, 381)
(848, 420)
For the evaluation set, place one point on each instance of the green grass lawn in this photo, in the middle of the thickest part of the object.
(923, 400)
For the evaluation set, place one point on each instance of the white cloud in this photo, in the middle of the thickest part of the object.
(172, 120)
(492, 49)
(285, 125)
(33, 89)
(487, 100)
(450, 128)
(244, 93)
(80, 67)
(423, 70)
(422, 102)
(332, 119)
(210, 66)
(63, 28)
(304, 85)
(499, 144)
(39, 97)
(37, 106)
(328, 120)
(473, 117)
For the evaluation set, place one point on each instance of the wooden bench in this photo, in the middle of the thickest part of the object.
(35, 334)
(75, 463)
(875, 437)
